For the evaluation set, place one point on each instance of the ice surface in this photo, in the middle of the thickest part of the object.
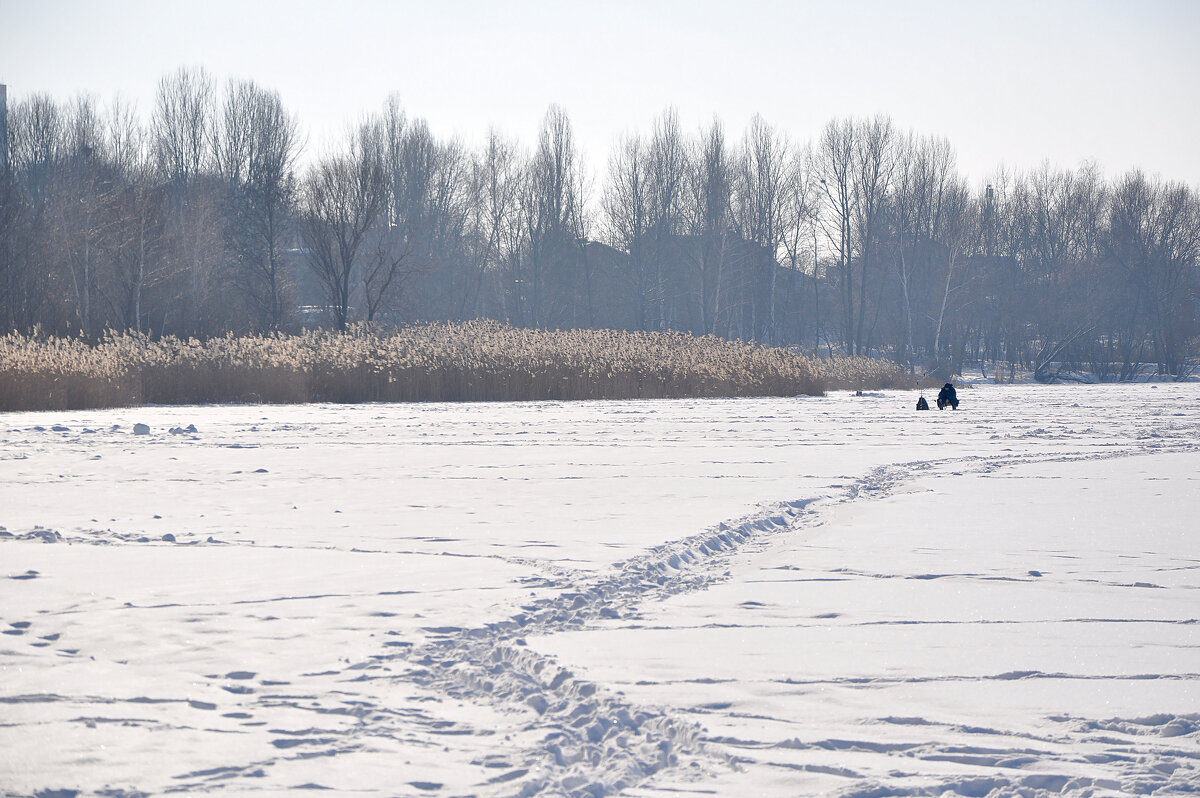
(803, 596)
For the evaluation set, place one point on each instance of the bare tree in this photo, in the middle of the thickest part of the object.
(181, 132)
(255, 149)
(83, 194)
(643, 204)
(430, 191)
(836, 149)
(626, 202)
(181, 123)
(874, 164)
(925, 183)
(344, 195)
(857, 161)
(666, 181)
(760, 203)
(446, 218)
(1154, 236)
(137, 232)
(37, 138)
(957, 231)
(553, 202)
(37, 129)
(707, 221)
(126, 138)
(383, 259)
(185, 227)
(508, 180)
(799, 221)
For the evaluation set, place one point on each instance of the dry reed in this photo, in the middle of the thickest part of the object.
(862, 373)
(479, 360)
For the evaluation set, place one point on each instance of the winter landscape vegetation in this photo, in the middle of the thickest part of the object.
(400, 463)
(201, 219)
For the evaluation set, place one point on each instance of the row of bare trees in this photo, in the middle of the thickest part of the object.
(868, 240)
(180, 225)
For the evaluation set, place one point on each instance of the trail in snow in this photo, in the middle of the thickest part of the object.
(595, 742)
(1076, 756)
(401, 622)
(598, 743)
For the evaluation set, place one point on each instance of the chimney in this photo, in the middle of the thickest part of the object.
(3, 128)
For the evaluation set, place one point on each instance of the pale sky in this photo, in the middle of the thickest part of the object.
(1013, 82)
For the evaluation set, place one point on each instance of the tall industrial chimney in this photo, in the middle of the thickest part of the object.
(3, 128)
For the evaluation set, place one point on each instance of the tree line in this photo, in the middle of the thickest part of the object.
(204, 219)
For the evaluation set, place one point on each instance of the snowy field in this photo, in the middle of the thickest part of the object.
(763, 597)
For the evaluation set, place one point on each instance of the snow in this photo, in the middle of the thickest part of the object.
(806, 596)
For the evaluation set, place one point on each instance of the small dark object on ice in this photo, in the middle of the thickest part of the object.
(922, 404)
(947, 397)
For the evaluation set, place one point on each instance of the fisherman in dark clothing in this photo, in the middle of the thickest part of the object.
(947, 397)
(922, 404)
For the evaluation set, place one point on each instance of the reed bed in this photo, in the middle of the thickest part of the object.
(474, 361)
(862, 373)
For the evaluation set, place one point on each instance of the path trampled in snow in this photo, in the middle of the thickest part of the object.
(768, 597)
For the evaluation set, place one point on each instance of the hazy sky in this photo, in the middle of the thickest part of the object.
(1007, 81)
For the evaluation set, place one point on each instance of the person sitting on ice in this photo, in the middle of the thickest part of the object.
(922, 404)
(947, 397)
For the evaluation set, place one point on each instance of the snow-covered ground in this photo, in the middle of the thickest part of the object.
(776, 597)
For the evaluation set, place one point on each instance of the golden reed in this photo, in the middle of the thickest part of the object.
(472, 361)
